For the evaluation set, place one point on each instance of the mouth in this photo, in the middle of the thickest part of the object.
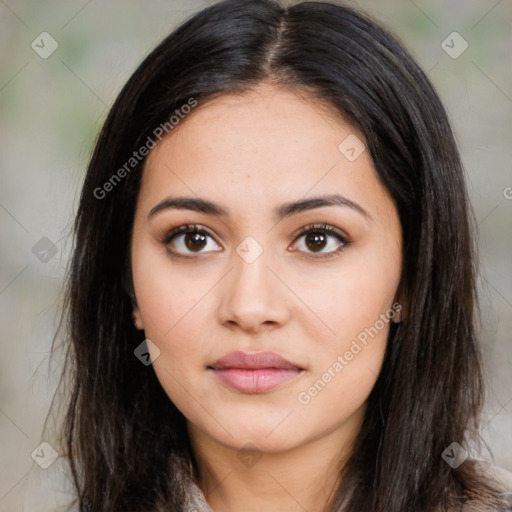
(254, 373)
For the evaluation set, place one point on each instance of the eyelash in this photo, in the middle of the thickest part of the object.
(310, 228)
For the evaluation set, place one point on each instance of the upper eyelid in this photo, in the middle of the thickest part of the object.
(319, 226)
(184, 229)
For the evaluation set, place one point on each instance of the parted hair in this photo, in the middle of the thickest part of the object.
(125, 440)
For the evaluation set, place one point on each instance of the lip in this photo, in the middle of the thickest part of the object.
(255, 372)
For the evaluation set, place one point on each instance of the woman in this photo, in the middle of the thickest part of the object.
(272, 292)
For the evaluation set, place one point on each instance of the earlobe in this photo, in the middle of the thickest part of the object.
(137, 319)
(398, 312)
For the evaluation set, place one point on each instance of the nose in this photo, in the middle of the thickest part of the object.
(252, 298)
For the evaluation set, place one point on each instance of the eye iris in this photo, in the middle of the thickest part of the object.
(195, 241)
(315, 241)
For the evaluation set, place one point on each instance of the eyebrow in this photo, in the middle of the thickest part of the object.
(208, 207)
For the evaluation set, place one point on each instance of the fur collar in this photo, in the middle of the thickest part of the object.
(196, 500)
(52, 490)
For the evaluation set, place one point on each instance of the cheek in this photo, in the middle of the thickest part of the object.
(346, 302)
(344, 372)
(354, 305)
(169, 295)
(175, 320)
(177, 313)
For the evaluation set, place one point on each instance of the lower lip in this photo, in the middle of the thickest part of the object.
(257, 380)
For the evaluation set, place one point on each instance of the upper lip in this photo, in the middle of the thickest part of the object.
(253, 360)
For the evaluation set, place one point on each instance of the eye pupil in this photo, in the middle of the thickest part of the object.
(315, 241)
(195, 241)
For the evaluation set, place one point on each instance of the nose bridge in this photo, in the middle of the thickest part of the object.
(250, 266)
(252, 295)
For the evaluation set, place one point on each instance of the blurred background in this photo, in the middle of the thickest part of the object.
(62, 64)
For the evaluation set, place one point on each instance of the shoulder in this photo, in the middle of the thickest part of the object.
(500, 475)
(50, 489)
(502, 479)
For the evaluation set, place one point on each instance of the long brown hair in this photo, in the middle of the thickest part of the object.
(125, 440)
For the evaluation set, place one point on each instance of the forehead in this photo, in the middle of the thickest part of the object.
(266, 144)
(257, 116)
(261, 125)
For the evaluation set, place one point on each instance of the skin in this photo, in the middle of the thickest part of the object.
(251, 153)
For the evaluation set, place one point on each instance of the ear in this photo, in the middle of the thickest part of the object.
(399, 308)
(137, 318)
(128, 287)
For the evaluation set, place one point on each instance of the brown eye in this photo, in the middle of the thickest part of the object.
(317, 238)
(196, 241)
(190, 239)
(316, 241)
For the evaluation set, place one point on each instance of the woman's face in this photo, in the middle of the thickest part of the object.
(245, 279)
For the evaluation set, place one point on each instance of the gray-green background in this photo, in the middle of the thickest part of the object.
(51, 110)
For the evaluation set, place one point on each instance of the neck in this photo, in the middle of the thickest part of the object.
(303, 478)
